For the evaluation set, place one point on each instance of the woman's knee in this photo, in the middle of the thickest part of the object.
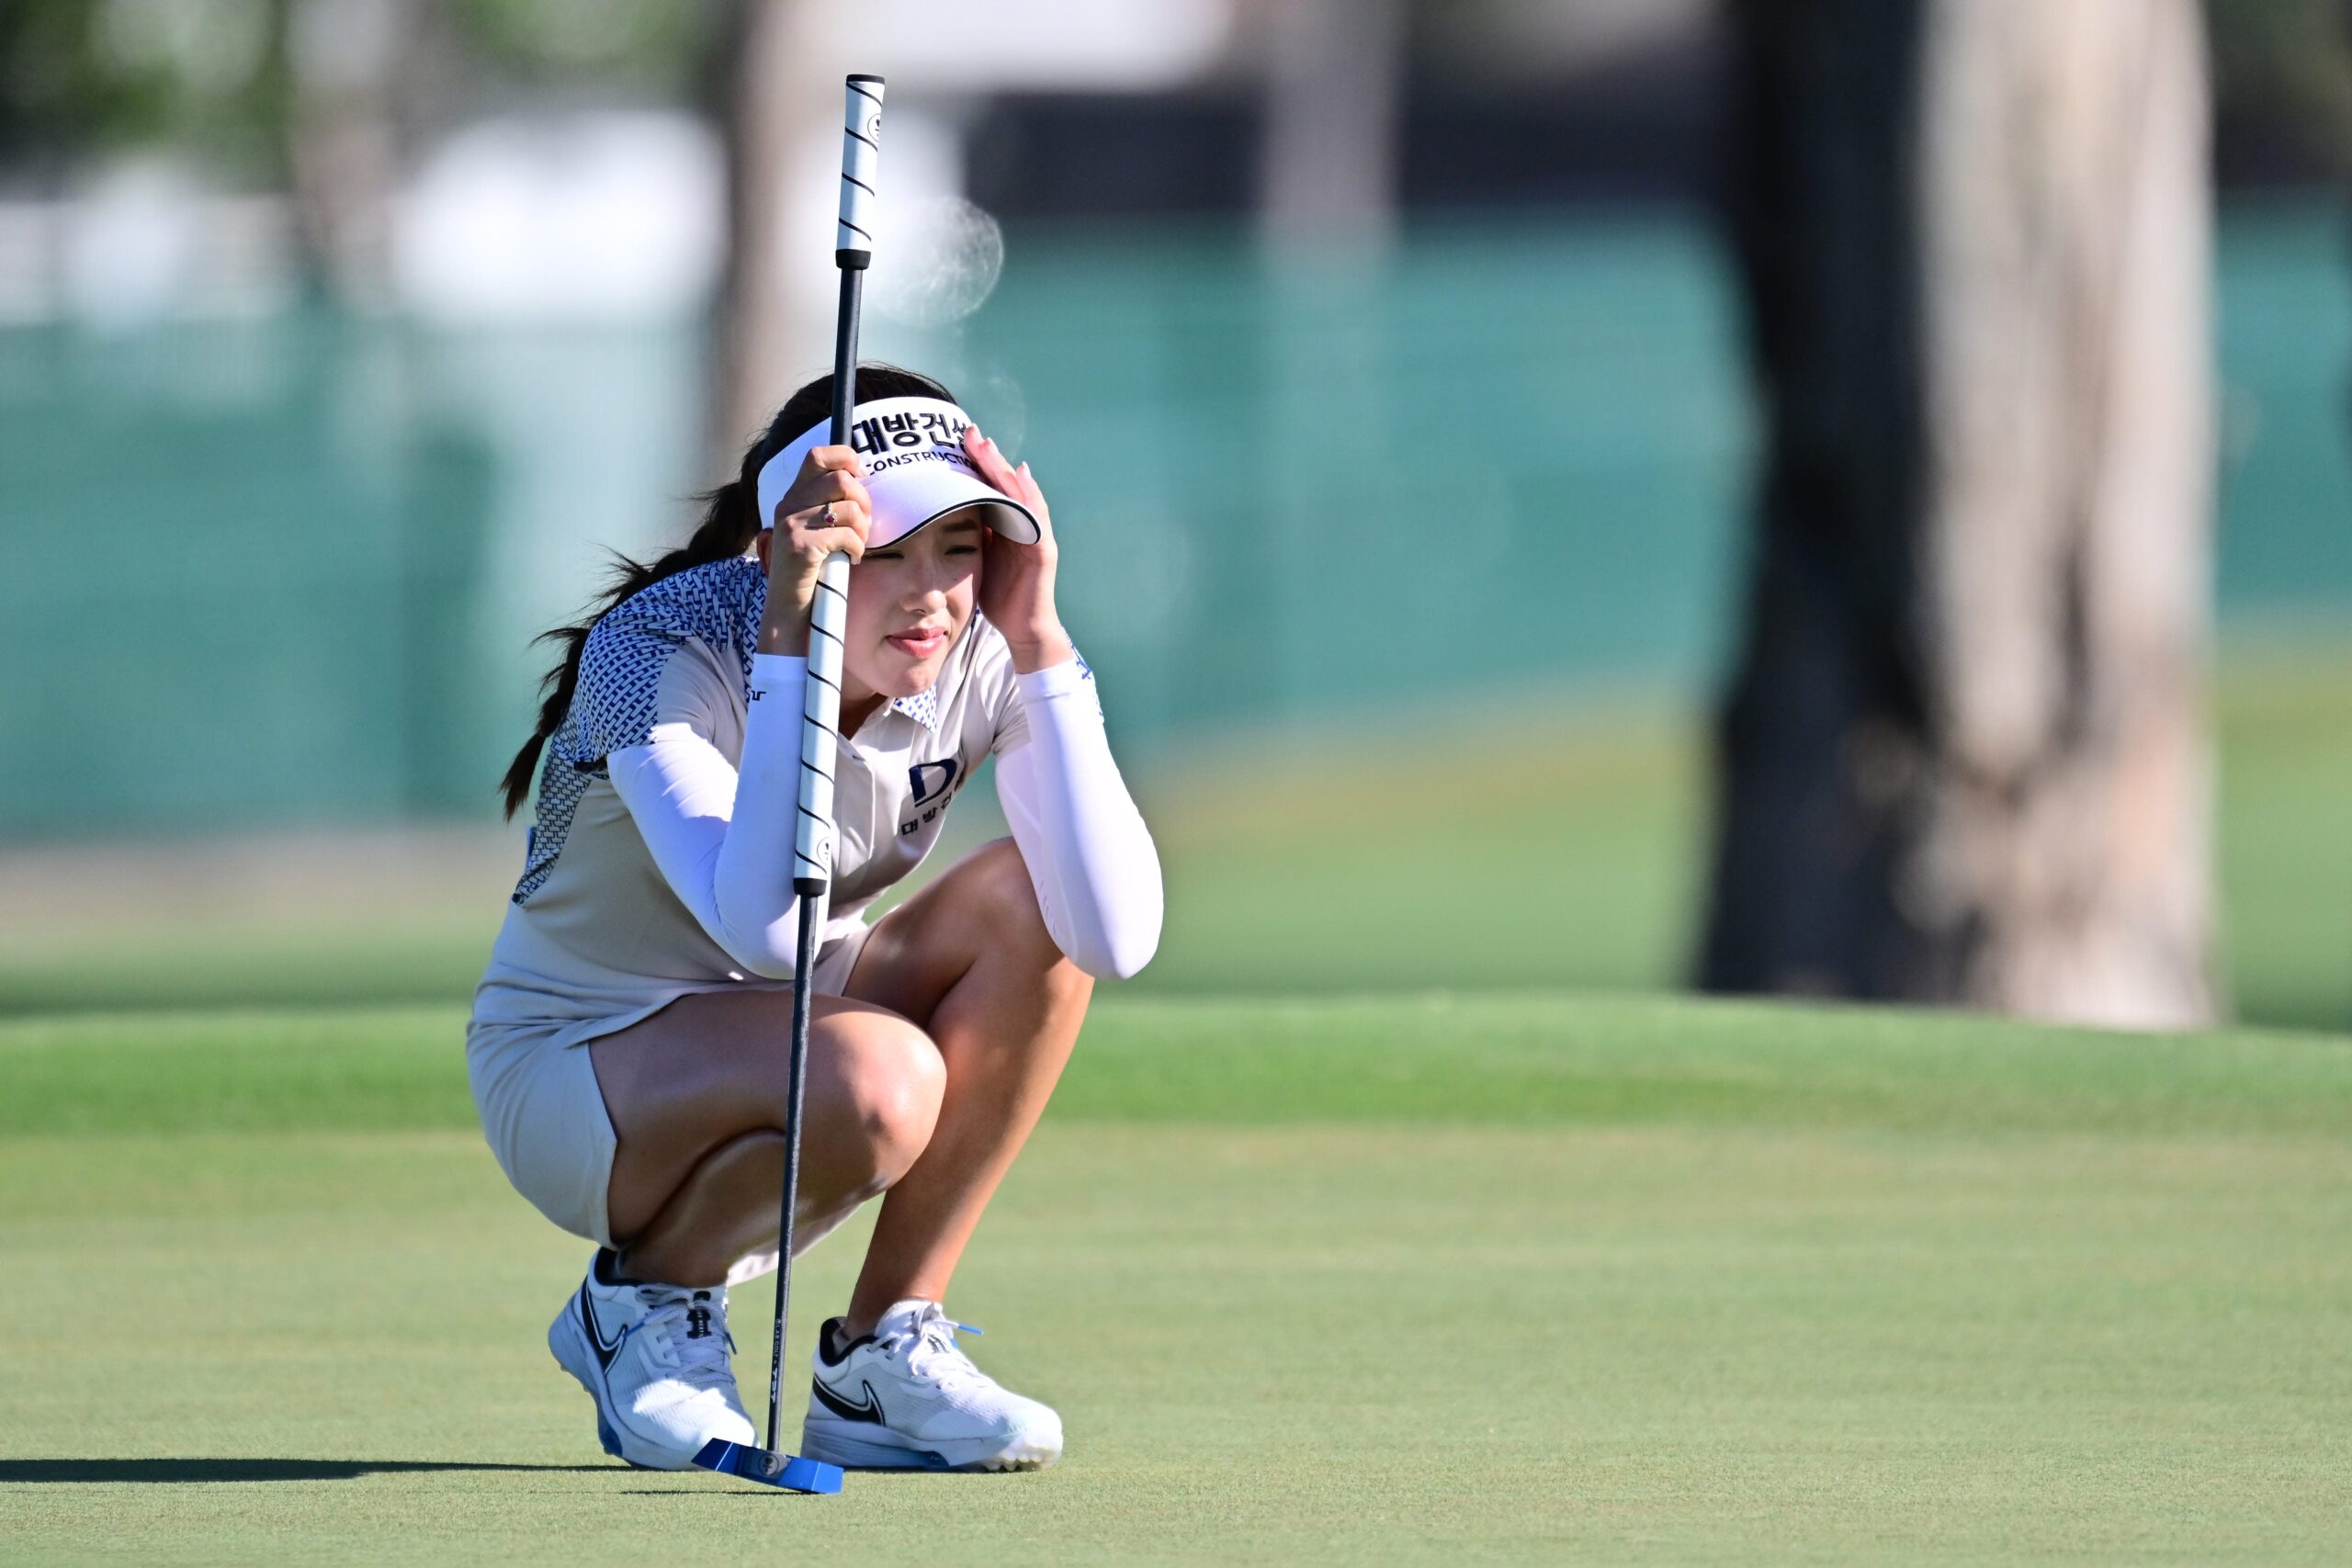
(895, 1081)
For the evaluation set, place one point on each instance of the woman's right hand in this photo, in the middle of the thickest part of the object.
(826, 509)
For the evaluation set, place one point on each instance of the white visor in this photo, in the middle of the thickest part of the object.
(916, 471)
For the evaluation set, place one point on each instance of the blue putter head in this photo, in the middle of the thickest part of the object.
(767, 1468)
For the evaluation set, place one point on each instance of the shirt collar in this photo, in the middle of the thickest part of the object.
(922, 707)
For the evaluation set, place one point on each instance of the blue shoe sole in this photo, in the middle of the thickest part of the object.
(851, 1454)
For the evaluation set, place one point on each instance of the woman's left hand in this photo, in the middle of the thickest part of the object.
(1016, 580)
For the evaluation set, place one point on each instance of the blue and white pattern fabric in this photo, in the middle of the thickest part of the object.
(922, 707)
(719, 605)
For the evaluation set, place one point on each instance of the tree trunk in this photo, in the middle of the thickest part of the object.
(1335, 73)
(345, 59)
(775, 74)
(1963, 759)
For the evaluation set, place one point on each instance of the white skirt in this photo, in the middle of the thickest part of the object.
(543, 1115)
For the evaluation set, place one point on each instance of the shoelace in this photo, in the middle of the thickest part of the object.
(929, 1344)
(700, 1360)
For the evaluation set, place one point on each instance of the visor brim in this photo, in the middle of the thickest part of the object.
(911, 498)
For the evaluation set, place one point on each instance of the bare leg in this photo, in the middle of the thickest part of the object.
(970, 958)
(936, 1115)
(695, 1094)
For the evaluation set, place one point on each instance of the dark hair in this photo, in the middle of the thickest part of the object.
(730, 522)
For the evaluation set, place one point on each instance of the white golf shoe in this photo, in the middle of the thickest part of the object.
(654, 1358)
(905, 1397)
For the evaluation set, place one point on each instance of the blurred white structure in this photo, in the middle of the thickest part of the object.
(606, 216)
(145, 242)
(950, 48)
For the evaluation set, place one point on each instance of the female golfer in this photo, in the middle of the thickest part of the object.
(629, 1042)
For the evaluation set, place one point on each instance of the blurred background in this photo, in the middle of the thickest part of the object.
(1791, 496)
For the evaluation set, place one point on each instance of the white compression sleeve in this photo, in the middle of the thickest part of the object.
(722, 836)
(1090, 858)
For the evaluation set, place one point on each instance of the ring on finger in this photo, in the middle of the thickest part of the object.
(827, 520)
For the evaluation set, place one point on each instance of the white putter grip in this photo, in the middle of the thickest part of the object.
(812, 845)
(860, 154)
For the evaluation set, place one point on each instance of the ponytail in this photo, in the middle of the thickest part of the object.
(730, 521)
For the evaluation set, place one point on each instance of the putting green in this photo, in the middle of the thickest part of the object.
(1492, 1280)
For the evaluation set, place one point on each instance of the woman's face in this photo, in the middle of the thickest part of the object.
(908, 603)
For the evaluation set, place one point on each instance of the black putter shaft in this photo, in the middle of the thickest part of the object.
(811, 885)
(795, 1087)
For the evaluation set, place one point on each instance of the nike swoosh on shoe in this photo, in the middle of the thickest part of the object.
(605, 1353)
(870, 1411)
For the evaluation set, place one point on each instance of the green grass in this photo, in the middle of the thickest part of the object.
(1492, 1278)
(1567, 843)
(2286, 839)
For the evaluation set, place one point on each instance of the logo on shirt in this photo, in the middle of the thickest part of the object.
(933, 787)
(930, 780)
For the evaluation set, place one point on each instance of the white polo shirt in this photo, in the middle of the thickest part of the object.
(595, 939)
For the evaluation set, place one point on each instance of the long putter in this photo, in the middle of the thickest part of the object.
(812, 867)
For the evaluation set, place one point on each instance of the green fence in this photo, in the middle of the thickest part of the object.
(286, 571)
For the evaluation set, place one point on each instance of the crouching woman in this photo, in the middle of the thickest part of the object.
(629, 1041)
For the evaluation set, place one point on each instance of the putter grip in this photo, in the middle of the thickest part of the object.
(861, 152)
(812, 846)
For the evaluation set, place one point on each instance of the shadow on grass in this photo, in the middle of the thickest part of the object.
(172, 1471)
